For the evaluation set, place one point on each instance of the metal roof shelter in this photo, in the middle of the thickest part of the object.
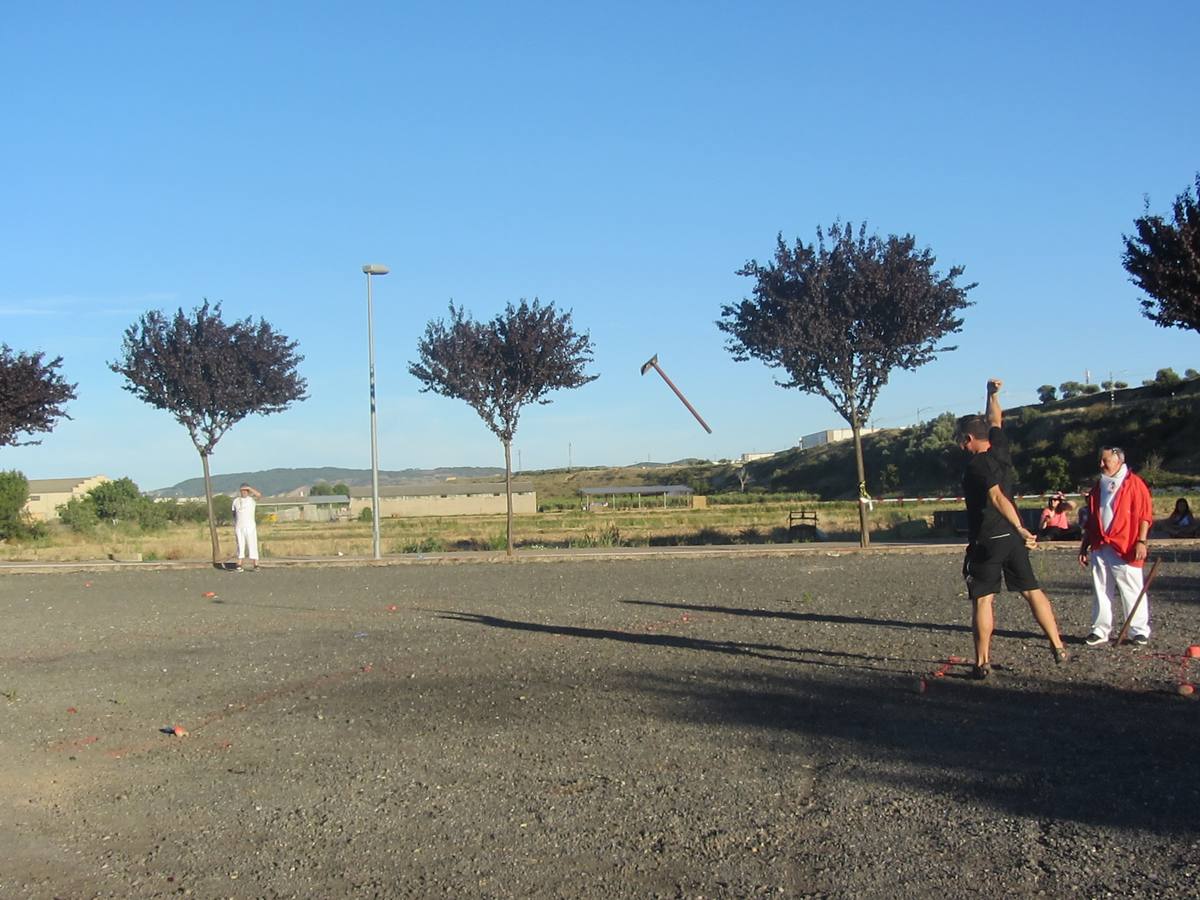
(637, 492)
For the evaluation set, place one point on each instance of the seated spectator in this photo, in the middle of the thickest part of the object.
(1181, 522)
(1056, 523)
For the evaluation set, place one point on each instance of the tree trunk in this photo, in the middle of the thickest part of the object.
(864, 526)
(508, 491)
(212, 518)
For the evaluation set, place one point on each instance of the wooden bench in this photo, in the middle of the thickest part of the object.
(802, 524)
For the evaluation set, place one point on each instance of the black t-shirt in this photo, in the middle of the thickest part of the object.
(994, 467)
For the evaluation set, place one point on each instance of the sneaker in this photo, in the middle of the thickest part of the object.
(981, 672)
(238, 569)
(1060, 655)
(1095, 640)
(1139, 640)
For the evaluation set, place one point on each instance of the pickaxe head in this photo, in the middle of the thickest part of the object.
(651, 363)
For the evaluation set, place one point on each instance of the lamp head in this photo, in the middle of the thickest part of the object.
(375, 269)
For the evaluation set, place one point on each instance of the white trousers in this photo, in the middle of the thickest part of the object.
(247, 540)
(1111, 575)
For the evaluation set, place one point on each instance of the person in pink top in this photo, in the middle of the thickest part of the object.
(1115, 547)
(1055, 524)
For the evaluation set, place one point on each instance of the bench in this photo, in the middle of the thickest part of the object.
(802, 524)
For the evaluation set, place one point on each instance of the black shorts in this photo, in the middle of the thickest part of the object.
(988, 557)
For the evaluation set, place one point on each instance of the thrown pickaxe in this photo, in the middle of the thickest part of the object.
(652, 363)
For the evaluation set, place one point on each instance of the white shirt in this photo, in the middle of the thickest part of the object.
(243, 510)
(1109, 485)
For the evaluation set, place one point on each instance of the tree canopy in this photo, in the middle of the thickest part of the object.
(33, 395)
(839, 314)
(209, 375)
(1163, 259)
(500, 367)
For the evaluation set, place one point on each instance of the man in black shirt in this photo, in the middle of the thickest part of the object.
(998, 544)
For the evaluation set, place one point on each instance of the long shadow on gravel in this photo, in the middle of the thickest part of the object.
(1051, 750)
(826, 617)
(1086, 753)
(736, 648)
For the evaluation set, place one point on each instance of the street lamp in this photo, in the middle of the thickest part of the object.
(369, 270)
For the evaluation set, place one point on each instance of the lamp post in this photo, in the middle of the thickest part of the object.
(369, 270)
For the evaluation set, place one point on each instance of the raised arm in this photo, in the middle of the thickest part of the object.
(995, 415)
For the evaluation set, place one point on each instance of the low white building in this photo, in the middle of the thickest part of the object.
(830, 436)
(46, 495)
(751, 457)
(457, 498)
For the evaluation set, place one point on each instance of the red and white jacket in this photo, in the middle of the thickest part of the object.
(1131, 506)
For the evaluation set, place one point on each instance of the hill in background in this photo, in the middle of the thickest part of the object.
(1054, 445)
(273, 482)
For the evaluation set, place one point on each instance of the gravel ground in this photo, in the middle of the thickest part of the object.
(728, 727)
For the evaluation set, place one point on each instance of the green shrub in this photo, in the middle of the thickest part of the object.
(425, 545)
(79, 514)
(187, 511)
(14, 491)
(365, 515)
(117, 501)
(608, 536)
(1048, 473)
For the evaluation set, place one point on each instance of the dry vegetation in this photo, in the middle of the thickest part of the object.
(749, 523)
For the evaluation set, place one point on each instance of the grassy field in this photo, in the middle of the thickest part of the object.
(741, 523)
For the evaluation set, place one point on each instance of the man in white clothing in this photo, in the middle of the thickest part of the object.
(244, 528)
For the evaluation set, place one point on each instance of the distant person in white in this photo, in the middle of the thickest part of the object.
(244, 528)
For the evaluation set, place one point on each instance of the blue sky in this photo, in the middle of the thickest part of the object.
(621, 160)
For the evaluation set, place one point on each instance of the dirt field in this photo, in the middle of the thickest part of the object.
(710, 727)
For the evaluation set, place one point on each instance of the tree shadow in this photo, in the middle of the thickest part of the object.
(1055, 750)
(1087, 753)
(831, 619)
(776, 652)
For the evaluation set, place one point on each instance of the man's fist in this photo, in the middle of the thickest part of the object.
(994, 385)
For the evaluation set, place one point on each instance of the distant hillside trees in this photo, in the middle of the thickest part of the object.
(1047, 393)
(500, 367)
(1163, 259)
(209, 375)
(33, 395)
(324, 489)
(839, 314)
